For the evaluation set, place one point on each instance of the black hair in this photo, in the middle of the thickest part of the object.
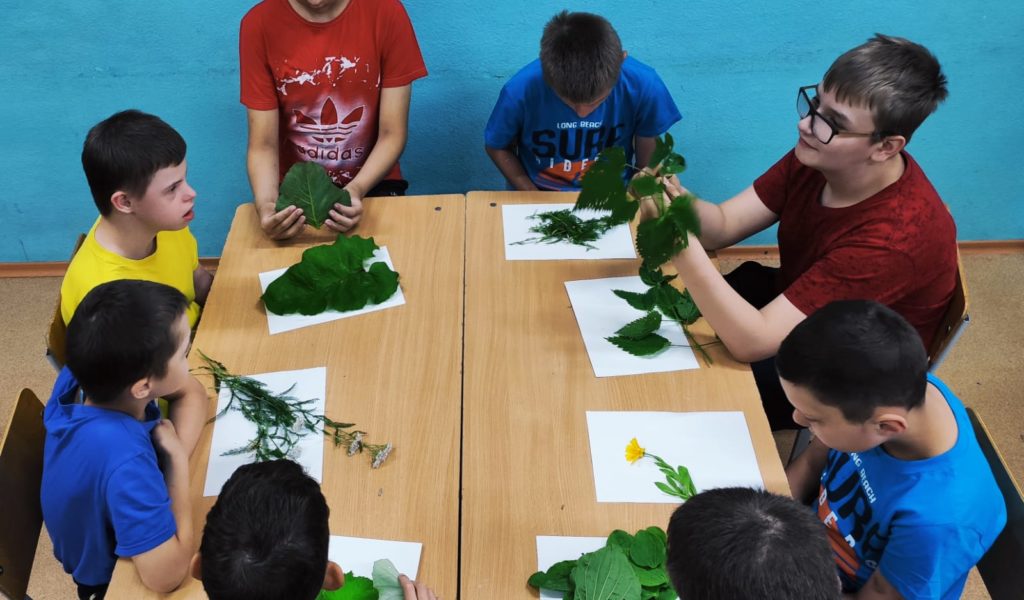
(900, 81)
(856, 355)
(580, 56)
(124, 151)
(266, 537)
(741, 543)
(121, 332)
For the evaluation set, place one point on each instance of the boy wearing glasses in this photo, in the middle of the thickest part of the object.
(857, 217)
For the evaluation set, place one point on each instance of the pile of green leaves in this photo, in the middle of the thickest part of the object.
(564, 226)
(308, 186)
(661, 298)
(628, 568)
(282, 420)
(383, 586)
(332, 276)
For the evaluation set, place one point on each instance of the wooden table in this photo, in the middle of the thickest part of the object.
(527, 386)
(396, 373)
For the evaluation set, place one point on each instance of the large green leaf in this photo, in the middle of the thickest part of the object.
(558, 578)
(308, 186)
(644, 301)
(355, 588)
(605, 575)
(620, 539)
(603, 188)
(676, 305)
(645, 346)
(332, 277)
(641, 327)
(657, 241)
(385, 580)
(653, 276)
(683, 212)
(648, 550)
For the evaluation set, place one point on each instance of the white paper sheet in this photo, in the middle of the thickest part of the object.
(617, 242)
(282, 323)
(600, 313)
(358, 554)
(554, 548)
(233, 430)
(714, 446)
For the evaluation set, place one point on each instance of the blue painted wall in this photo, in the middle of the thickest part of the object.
(733, 69)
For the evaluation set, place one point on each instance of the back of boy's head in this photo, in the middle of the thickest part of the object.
(899, 81)
(856, 355)
(580, 56)
(741, 543)
(124, 151)
(121, 332)
(266, 537)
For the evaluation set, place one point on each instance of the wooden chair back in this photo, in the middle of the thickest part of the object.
(1002, 567)
(55, 344)
(21, 472)
(953, 322)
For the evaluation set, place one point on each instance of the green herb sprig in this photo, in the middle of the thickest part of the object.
(282, 420)
(564, 226)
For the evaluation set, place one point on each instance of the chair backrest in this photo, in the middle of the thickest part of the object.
(1002, 567)
(55, 350)
(953, 322)
(21, 471)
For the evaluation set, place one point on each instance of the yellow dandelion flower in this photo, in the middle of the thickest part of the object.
(634, 452)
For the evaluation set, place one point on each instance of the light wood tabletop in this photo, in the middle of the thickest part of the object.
(395, 373)
(528, 383)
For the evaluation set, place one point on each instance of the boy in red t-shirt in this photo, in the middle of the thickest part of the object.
(858, 219)
(329, 82)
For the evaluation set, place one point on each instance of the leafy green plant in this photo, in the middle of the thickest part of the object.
(332, 276)
(355, 588)
(678, 482)
(308, 186)
(628, 567)
(283, 420)
(564, 226)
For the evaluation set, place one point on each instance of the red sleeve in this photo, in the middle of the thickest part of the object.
(257, 81)
(401, 60)
(853, 272)
(772, 186)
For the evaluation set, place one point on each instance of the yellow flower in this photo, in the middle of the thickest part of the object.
(634, 452)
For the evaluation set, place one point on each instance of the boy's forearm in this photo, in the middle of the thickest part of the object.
(386, 152)
(201, 282)
(510, 167)
(264, 173)
(187, 410)
(804, 473)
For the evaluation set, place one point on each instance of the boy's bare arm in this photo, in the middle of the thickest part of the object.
(509, 165)
(201, 282)
(163, 568)
(262, 163)
(877, 588)
(187, 410)
(644, 149)
(804, 473)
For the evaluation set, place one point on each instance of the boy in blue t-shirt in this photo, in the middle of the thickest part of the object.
(115, 475)
(895, 472)
(583, 95)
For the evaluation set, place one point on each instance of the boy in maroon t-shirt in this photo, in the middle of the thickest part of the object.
(858, 219)
(327, 81)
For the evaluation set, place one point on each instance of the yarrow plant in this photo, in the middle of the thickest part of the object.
(678, 480)
(282, 420)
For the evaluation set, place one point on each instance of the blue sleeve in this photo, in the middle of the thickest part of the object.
(924, 562)
(506, 121)
(657, 111)
(139, 505)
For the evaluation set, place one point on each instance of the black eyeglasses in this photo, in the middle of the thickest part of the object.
(822, 128)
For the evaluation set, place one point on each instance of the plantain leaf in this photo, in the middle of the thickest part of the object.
(308, 186)
(620, 539)
(602, 186)
(651, 577)
(605, 575)
(648, 550)
(558, 577)
(646, 346)
(332, 276)
(641, 327)
(644, 301)
(659, 533)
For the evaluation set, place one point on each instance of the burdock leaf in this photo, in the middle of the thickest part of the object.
(605, 575)
(385, 580)
(645, 346)
(641, 327)
(307, 185)
(602, 186)
(332, 276)
(644, 301)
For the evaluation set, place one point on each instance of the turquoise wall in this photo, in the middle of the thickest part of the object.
(733, 69)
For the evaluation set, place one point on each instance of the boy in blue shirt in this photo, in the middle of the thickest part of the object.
(583, 95)
(115, 475)
(894, 471)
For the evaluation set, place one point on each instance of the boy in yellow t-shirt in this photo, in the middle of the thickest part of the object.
(135, 165)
